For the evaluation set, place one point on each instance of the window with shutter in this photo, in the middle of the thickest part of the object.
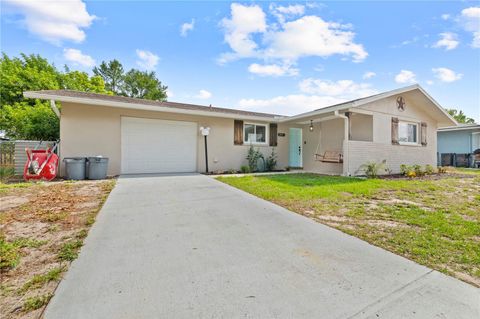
(238, 132)
(273, 134)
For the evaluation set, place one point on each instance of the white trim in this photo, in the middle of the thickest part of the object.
(460, 128)
(255, 129)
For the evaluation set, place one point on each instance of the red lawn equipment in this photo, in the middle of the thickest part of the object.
(41, 164)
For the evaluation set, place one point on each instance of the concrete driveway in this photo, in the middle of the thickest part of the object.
(188, 246)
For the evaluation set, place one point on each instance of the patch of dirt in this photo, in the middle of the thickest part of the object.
(40, 220)
(12, 201)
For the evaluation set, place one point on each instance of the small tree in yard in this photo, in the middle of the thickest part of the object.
(271, 161)
(252, 157)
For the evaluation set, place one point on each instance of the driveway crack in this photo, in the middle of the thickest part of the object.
(397, 291)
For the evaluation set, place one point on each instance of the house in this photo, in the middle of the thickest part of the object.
(143, 136)
(461, 140)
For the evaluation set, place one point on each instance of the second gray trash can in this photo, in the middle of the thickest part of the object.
(97, 167)
(74, 168)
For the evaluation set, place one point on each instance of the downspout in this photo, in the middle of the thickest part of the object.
(54, 108)
(346, 156)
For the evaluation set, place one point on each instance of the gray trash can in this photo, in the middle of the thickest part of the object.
(75, 167)
(97, 167)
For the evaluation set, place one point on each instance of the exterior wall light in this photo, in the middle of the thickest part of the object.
(311, 126)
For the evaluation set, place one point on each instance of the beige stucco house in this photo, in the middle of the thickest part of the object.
(142, 136)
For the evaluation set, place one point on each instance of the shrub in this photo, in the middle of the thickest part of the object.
(441, 170)
(271, 161)
(6, 172)
(372, 169)
(245, 169)
(252, 157)
(404, 169)
(429, 169)
(418, 170)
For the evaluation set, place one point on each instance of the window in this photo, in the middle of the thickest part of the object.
(255, 133)
(407, 133)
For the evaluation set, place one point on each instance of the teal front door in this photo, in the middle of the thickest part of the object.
(295, 149)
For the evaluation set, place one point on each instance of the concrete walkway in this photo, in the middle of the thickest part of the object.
(190, 247)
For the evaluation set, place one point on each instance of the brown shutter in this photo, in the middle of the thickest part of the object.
(423, 134)
(273, 134)
(395, 130)
(238, 132)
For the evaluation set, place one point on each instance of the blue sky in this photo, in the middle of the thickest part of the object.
(282, 57)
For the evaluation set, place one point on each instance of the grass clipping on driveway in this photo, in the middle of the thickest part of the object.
(43, 226)
(435, 222)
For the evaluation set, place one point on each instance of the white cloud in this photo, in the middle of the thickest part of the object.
(470, 20)
(476, 39)
(244, 21)
(430, 82)
(296, 9)
(289, 104)
(344, 88)
(77, 57)
(369, 75)
(312, 36)
(147, 60)
(445, 16)
(203, 94)
(282, 12)
(55, 21)
(170, 93)
(448, 40)
(315, 93)
(289, 41)
(272, 70)
(446, 75)
(405, 76)
(186, 27)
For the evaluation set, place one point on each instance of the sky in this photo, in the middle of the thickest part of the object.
(276, 57)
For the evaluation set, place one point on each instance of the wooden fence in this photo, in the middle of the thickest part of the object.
(7, 154)
(12, 153)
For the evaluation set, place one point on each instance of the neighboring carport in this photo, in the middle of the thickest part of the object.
(187, 246)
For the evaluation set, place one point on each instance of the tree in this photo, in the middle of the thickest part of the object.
(112, 74)
(80, 81)
(23, 118)
(460, 117)
(144, 85)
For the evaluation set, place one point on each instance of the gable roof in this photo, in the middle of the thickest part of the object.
(136, 103)
(448, 120)
(443, 117)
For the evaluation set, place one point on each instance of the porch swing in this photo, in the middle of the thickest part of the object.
(327, 156)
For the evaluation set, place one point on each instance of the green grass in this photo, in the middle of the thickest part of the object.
(468, 170)
(9, 254)
(10, 250)
(433, 222)
(5, 187)
(69, 250)
(38, 281)
(37, 302)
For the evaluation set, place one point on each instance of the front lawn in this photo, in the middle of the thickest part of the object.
(42, 228)
(435, 222)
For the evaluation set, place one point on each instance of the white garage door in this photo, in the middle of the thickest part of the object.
(158, 146)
